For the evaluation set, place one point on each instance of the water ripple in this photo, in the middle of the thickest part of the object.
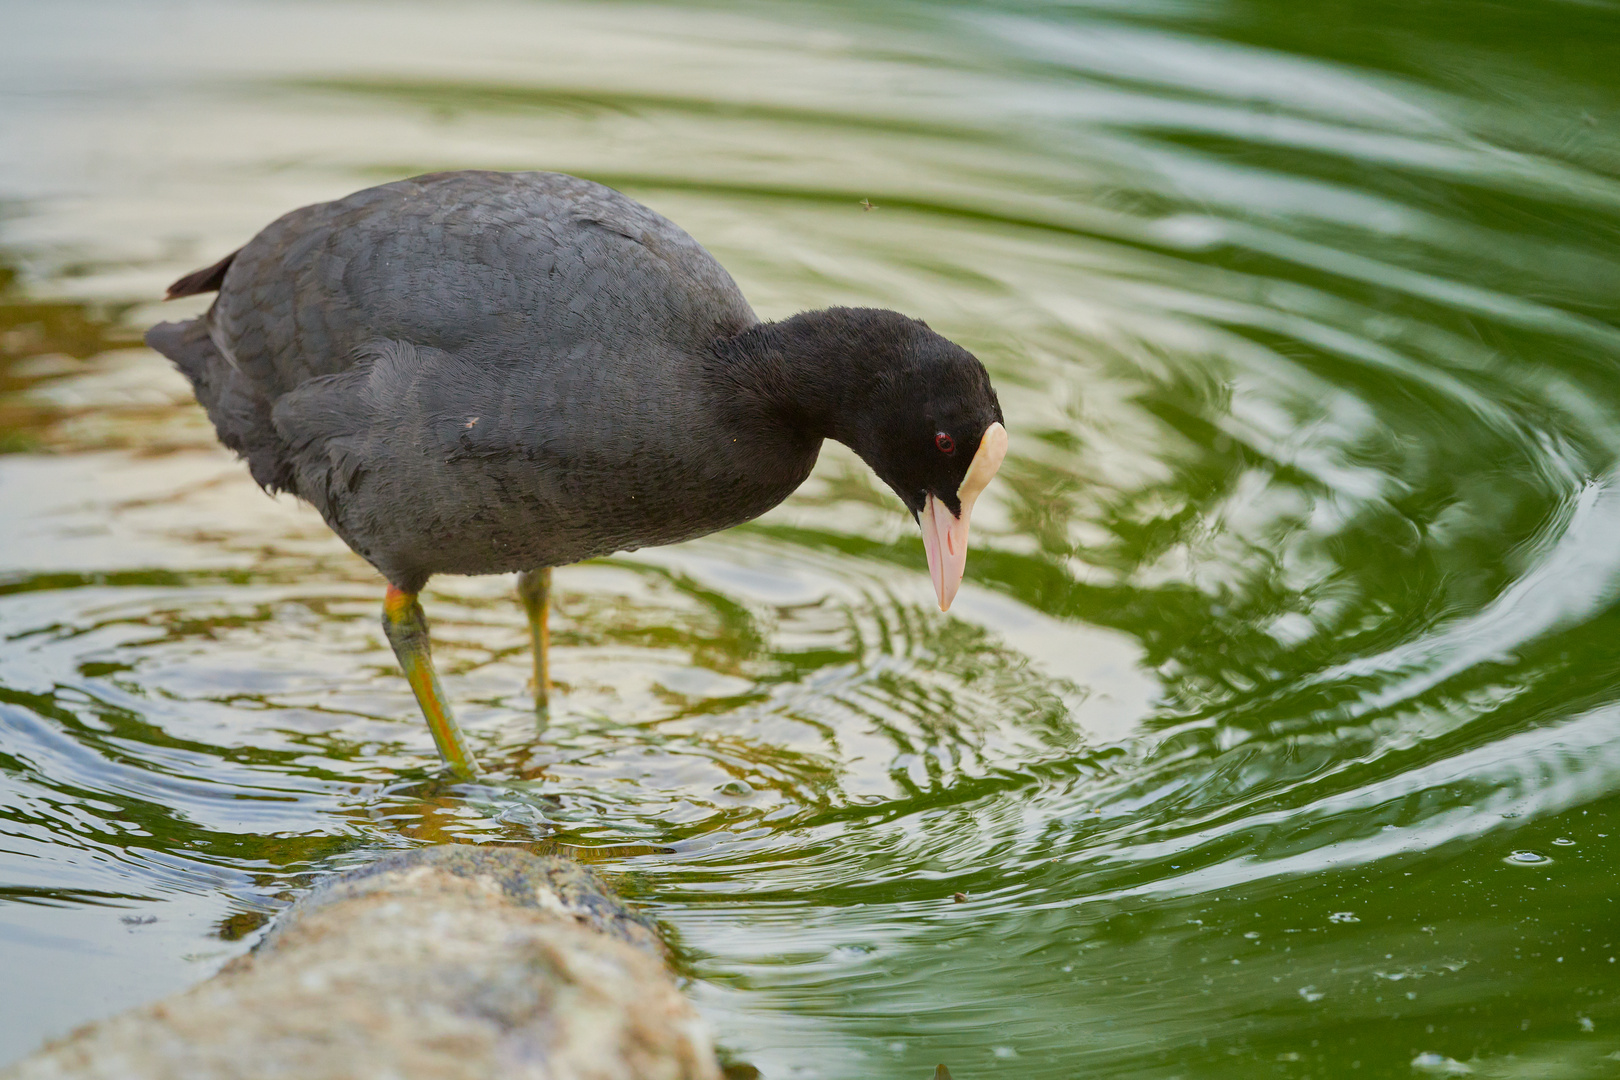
(1288, 647)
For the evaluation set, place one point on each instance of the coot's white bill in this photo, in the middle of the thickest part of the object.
(945, 535)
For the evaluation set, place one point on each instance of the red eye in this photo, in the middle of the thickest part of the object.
(946, 444)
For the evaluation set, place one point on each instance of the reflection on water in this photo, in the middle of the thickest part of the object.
(1273, 731)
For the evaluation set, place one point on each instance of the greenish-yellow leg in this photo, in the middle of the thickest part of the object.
(407, 632)
(534, 589)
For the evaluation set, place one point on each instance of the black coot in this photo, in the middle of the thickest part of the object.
(480, 372)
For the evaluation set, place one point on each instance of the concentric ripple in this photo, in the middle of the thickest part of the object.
(1273, 732)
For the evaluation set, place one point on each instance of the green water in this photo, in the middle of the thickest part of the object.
(1276, 731)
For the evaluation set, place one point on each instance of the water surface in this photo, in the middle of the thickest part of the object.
(1274, 731)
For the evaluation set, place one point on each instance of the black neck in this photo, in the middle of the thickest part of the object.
(816, 372)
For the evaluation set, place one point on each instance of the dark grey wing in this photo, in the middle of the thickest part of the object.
(426, 462)
(493, 267)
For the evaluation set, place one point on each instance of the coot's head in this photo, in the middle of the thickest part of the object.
(933, 432)
(917, 408)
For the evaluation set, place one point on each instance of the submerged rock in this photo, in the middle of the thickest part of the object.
(438, 964)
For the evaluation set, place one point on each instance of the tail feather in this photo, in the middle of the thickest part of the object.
(239, 410)
(206, 280)
(189, 346)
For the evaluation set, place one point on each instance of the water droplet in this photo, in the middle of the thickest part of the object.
(1311, 993)
(1343, 916)
(1564, 841)
(1527, 858)
(736, 787)
(1004, 1052)
(520, 814)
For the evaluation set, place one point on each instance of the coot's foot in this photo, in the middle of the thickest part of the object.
(407, 632)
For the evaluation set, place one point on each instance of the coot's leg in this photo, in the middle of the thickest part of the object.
(534, 589)
(407, 632)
